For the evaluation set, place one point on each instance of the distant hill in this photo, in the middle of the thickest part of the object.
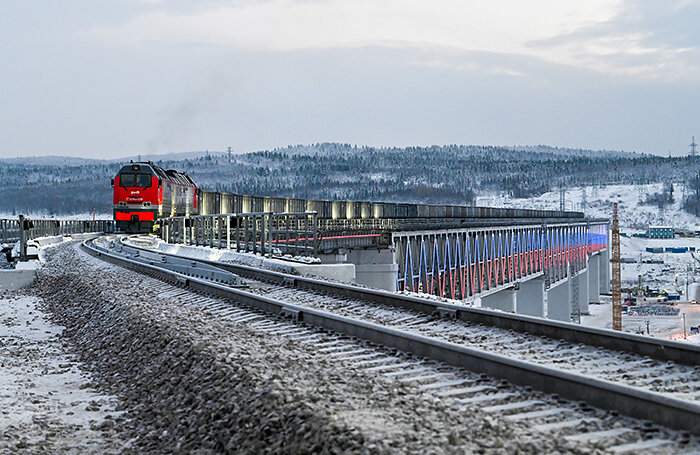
(452, 174)
(50, 160)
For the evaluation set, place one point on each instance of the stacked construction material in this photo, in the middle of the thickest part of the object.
(653, 309)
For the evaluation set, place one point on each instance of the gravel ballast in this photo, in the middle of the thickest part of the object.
(189, 383)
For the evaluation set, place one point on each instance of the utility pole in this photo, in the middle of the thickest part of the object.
(229, 154)
(684, 334)
(692, 146)
(562, 199)
(22, 239)
(616, 285)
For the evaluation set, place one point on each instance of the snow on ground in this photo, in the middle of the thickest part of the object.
(671, 275)
(46, 402)
(305, 266)
(596, 202)
(209, 253)
(670, 327)
(659, 326)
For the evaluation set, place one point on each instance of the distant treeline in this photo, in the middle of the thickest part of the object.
(440, 174)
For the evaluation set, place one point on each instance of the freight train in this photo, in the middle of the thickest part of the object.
(144, 192)
(214, 202)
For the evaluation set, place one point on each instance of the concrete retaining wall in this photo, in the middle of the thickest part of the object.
(21, 277)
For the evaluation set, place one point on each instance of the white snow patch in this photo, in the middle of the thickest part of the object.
(42, 389)
(311, 267)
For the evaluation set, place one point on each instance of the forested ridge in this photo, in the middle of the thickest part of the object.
(438, 174)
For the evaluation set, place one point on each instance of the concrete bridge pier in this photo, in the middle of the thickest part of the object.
(594, 278)
(504, 299)
(530, 297)
(559, 301)
(582, 278)
(376, 268)
(605, 271)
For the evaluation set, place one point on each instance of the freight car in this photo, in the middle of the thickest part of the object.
(214, 203)
(144, 192)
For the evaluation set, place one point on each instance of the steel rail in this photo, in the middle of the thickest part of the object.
(660, 349)
(627, 400)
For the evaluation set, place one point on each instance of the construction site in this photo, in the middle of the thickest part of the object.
(653, 289)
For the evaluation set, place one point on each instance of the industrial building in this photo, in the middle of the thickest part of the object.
(660, 232)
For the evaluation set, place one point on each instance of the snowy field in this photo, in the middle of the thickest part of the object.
(670, 327)
(671, 275)
(596, 202)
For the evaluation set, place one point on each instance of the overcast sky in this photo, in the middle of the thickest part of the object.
(108, 79)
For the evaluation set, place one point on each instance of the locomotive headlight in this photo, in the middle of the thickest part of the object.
(146, 204)
(122, 203)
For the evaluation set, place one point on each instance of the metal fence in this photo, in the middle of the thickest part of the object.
(46, 228)
(23, 229)
(265, 233)
(10, 228)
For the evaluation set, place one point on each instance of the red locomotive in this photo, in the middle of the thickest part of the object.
(144, 192)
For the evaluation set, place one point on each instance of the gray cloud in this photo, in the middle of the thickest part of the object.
(646, 38)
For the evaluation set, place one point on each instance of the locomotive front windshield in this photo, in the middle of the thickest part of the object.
(135, 180)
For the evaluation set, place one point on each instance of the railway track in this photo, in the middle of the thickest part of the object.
(538, 413)
(456, 350)
(663, 377)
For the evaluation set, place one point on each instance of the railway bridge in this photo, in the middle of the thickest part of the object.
(534, 262)
(501, 362)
